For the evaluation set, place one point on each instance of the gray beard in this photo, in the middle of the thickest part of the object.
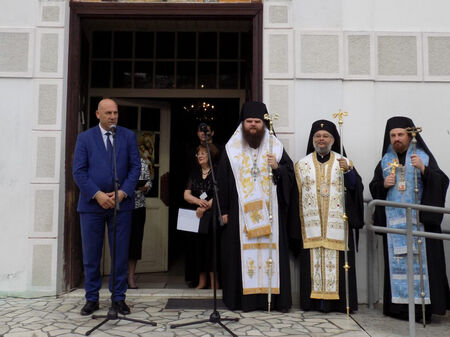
(322, 152)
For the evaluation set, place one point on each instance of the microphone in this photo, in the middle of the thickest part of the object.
(203, 127)
(112, 128)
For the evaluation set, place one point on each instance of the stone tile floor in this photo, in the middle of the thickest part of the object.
(50, 316)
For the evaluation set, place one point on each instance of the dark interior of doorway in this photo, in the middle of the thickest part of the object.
(186, 115)
(78, 79)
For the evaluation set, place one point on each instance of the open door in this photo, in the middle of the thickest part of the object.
(150, 120)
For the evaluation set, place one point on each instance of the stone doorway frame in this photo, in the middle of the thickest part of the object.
(170, 11)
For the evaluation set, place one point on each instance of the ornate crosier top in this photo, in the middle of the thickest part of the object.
(271, 118)
(413, 131)
(339, 115)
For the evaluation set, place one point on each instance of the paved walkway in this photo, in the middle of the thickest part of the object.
(60, 316)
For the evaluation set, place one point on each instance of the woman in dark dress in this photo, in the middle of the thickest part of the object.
(199, 193)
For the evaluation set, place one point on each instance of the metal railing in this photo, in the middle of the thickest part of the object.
(409, 236)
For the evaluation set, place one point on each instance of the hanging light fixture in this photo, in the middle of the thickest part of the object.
(202, 111)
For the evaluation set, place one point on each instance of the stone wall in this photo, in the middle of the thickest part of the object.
(32, 95)
(372, 58)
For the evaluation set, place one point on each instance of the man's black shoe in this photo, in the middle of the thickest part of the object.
(89, 308)
(121, 307)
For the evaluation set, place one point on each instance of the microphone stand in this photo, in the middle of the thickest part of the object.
(112, 312)
(215, 315)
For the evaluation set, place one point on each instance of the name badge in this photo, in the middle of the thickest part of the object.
(203, 196)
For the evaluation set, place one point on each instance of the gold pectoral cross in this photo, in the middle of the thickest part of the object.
(394, 166)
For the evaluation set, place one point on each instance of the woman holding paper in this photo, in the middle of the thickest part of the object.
(199, 192)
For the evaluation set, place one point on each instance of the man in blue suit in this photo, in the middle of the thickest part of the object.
(93, 172)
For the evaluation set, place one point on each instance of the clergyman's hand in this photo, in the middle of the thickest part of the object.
(104, 200)
(417, 163)
(272, 161)
(225, 218)
(389, 181)
(343, 164)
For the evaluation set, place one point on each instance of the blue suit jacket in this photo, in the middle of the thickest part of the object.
(93, 169)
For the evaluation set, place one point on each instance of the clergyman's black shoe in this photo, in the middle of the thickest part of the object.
(89, 308)
(121, 307)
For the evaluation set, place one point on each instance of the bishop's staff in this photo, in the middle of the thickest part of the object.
(413, 131)
(339, 115)
(270, 261)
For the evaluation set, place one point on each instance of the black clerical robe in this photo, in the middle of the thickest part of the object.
(233, 296)
(354, 205)
(435, 184)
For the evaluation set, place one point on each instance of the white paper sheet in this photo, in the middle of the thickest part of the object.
(187, 220)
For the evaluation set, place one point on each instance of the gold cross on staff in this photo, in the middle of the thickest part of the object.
(414, 130)
(339, 115)
(271, 118)
(394, 166)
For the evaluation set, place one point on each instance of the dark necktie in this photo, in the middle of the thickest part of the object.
(109, 151)
(109, 147)
(108, 143)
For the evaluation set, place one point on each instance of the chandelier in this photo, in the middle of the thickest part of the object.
(202, 111)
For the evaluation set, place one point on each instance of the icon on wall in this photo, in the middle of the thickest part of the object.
(147, 142)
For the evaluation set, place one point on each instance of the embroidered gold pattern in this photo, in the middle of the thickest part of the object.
(267, 268)
(325, 273)
(259, 245)
(260, 290)
(250, 268)
(321, 222)
(244, 174)
(308, 183)
(256, 216)
(254, 208)
(253, 214)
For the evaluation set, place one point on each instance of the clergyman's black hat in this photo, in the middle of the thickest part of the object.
(254, 110)
(325, 125)
(400, 122)
(436, 198)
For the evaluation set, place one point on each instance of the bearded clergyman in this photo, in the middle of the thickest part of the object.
(394, 181)
(319, 181)
(248, 234)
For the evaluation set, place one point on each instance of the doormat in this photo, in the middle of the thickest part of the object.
(193, 303)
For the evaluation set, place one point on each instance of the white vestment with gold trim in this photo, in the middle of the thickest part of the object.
(257, 235)
(322, 223)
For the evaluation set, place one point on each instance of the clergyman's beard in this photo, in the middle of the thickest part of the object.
(253, 140)
(322, 151)
(399, 147)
